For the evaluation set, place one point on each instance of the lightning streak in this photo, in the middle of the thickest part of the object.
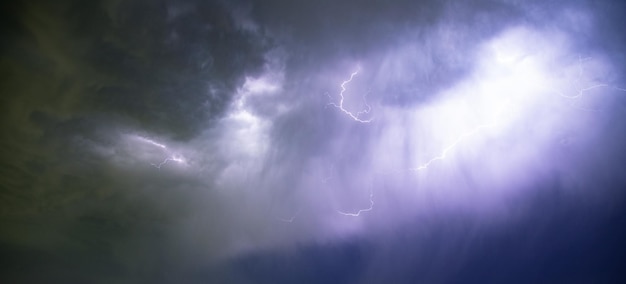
(580, 93)
(358, 213)
(172, 159)
(152, 142)
(453, 145)
(582, 90)
(355, 116)
(461, 138)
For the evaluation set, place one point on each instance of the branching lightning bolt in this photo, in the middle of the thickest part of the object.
(358, 213)
(582, 90)
(355, 116)
(173, 158)
(580, 93)
(168, 159)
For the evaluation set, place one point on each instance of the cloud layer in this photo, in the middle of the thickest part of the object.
(200, 140)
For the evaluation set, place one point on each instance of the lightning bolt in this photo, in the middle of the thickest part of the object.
(172, 158)
(169, 159)
(582, 90)
(358, 213)
(443, 154)
(580, 93)
(151, 142)
(355, 116)
(453, 145)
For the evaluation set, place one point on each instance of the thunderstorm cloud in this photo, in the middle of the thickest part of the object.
(321, 141)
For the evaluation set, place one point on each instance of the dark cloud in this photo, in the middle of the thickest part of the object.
(161, 63)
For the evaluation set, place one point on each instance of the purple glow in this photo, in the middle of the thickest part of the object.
(203, 141)
(475, 143)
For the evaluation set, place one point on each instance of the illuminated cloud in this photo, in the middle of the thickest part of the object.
(414, 141)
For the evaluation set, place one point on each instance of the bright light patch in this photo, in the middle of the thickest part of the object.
(248, 131)
(261, 85)
(151, 142)
(152, 152)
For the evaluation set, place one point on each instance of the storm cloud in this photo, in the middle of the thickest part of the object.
(312, 141)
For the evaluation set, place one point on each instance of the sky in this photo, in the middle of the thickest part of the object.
(277, 141)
